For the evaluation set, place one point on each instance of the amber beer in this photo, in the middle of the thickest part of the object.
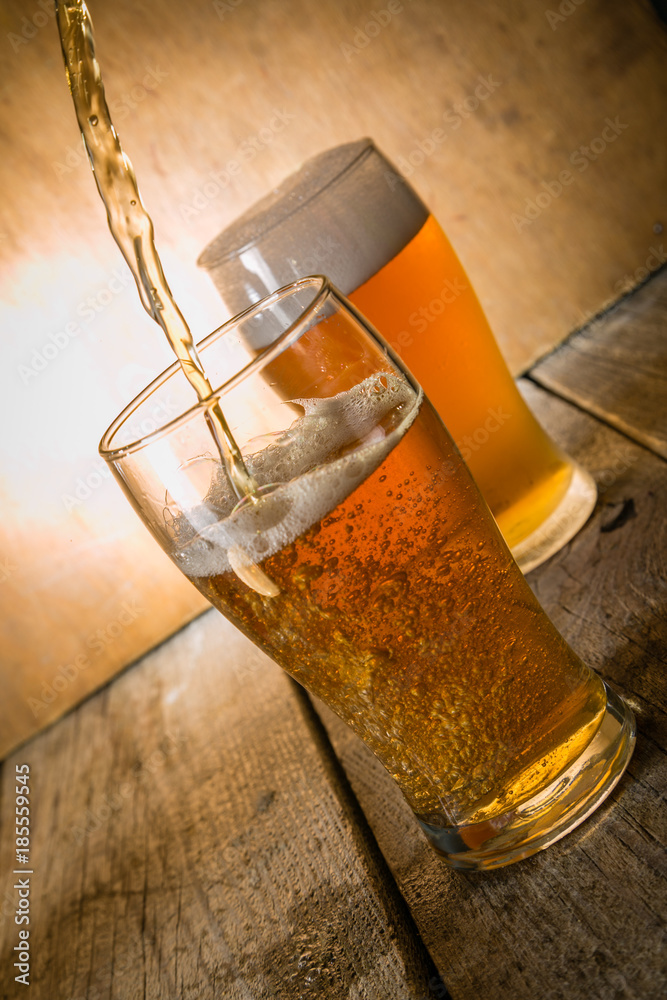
(448, 345)
(367, 564)
(349, 214)
(401, 610)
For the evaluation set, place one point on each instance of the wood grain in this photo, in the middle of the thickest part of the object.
(192, 837)
(190, 86)
(617, 366)
(586, 918)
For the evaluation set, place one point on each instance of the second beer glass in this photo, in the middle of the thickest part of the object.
(349, 214)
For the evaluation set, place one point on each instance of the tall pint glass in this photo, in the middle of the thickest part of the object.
(368, 565)
(349, 214)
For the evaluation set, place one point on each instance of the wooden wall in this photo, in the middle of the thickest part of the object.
(83, 588)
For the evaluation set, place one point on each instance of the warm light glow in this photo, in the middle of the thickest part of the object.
(80, 348)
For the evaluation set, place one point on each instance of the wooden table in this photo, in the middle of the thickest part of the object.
(200, 829)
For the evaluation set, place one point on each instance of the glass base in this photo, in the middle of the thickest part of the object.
(562, 524)
(553, 811)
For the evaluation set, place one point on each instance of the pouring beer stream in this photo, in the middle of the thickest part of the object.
(129, 222)
(132, 228)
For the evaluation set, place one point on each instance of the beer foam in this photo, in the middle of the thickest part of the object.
(308, 490)
(346, 213)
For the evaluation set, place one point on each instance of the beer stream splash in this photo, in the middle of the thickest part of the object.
(131, 225)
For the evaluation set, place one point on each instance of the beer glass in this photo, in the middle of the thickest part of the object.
(369, 567)
(349, 214)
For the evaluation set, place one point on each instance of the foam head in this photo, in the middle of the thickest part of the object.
(346, 213)
(370, 419)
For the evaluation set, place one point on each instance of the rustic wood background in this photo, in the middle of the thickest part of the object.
(189, 85)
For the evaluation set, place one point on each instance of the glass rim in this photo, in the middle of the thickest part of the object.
(322, 287)
(368, 148)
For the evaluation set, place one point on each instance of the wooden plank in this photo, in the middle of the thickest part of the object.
(193, 836)
(586, 918)
(617, 366)
(195, 87)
